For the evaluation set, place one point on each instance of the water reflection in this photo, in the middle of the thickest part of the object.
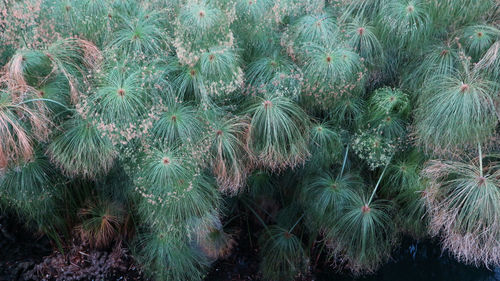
(422, 261)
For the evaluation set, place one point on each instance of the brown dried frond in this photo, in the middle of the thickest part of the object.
(215, 243)
(13, 75)
(231, 167)
(464, 209)
(101, 223)
(16, 120)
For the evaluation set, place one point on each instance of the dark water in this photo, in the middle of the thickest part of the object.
(421, 262)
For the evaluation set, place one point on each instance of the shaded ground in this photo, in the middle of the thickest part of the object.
(24, 256)
(27, 257)
(19, 250)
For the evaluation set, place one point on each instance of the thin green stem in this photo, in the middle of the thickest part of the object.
(378, 183)
(47, 100)
(297, 222)
(480, 159)
(345, 160)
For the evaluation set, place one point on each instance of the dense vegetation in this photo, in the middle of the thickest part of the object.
(340, 126)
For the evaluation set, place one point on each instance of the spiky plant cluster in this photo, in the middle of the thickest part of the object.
(278, 132)
(463, 199)
(362, 236)
(456, 110)
(166, 124)
(283, 254)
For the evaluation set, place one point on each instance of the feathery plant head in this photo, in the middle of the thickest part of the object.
(30, 190)
(90, 19)
(252, 10)
(283, 255)
(219, 66)
(55, 93)
(347, 110)
(177, 203)
(274, 73)
(403, 173)
(68, 56)
(447, 13)
(22, 121)
(139, 34)
(390, 126)
(489, 64)
(329, 65)
(314, 28)
(456, 110)
(179, 124)
(102, 221)
(479, 38)
(211, 238)
(362, 38)
(386, 100)
(120, 99)
(229, 157)
(82, 150)
(199, 18)
(170, 257)
(388, 111)
(325, 196)
(278, 132)
(28, 67)
(463, 199)
(438, 59)
(406, 22)
(162, 169)
(325, 144)
(363, 234)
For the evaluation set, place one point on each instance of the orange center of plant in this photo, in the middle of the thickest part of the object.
(365, 209)
(267, 104)
(464, 88)
(481, 181)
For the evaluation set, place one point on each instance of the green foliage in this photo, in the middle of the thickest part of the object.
(479, 38)
(283, 254)
(178, 124)
(362, 236)
(363, 39)
(168, 256)
(406, 21)
(129, 120)
(455, 110)
(31, 190)
(327, 195)
(81, 150)
(463, 199)
(325, 144)
(120, 98)
(277, 136)
(228, 153)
